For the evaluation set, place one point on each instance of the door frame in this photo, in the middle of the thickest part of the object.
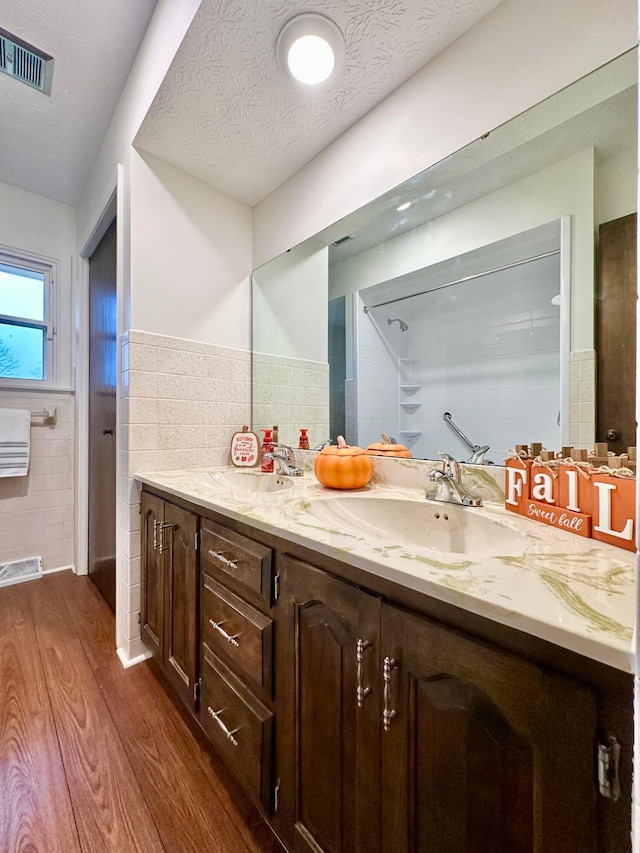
(108, 213)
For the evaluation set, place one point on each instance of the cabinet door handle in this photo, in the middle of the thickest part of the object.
(216, 715)
(162, 526)
(155, 534)
(216, 555)
(361, 692)
(388, 713)
(217, 626)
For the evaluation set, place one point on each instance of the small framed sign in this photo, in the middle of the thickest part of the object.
(245, 449)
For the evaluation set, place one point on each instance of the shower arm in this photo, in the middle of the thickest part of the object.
(477, 450)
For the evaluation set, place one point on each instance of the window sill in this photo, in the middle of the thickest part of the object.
(44, 388)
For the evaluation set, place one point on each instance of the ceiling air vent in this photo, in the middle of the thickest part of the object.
(25, 62)
(344, 239)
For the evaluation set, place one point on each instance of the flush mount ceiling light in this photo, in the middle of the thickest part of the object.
(310, 48)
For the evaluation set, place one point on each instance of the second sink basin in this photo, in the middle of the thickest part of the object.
(430, 525)
(247, 486)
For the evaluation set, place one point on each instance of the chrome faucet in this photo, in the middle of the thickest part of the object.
(449, 487)
(285, 461)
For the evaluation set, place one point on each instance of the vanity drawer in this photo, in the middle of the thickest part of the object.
(239, 726)
(233, 628)
(237, 557)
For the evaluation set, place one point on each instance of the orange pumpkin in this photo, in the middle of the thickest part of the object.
(388, 448)
(343, 467)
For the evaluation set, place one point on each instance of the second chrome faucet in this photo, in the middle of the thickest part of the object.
(449, 487)
(285, 461)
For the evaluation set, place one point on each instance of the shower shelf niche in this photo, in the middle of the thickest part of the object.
(410, 433)
(410, 389)
(410, 406)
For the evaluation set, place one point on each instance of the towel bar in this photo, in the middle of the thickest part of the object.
(47, 416)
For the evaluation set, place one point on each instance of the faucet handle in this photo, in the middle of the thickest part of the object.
(436, 475)
(450, 465)
(477, 457)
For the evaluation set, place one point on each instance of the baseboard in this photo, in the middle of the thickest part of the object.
(127, 662)
(59, 569)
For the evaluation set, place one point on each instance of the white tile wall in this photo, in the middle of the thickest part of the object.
(181, 401)
(37, 511)
(292, 393)
(582, 391)
(377, 379)
(487, 351)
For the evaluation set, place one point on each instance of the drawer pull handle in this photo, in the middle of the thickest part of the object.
(388, 713)
(217, 626)
(361, 692)
(216, 555)
(215, 715)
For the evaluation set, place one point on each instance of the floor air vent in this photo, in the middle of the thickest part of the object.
(25, 62)
(20, 570)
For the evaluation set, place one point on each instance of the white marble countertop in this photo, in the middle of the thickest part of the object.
(576, 593)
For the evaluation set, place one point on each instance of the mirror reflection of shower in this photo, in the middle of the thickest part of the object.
(401, 323)
(486, 343)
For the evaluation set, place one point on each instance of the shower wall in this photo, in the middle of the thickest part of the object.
(487, 351)
(376, 376)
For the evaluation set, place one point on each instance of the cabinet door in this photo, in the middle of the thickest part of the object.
(485, 751)
(152, 575)
(328, 743)
(181, 599)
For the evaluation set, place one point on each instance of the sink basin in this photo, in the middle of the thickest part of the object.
(435, 526)
(248, 486)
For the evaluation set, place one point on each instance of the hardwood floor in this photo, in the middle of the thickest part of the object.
(94, 757)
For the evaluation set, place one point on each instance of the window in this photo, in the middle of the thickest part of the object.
(26, 324)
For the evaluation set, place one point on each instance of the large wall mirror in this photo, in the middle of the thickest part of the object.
(476, 304)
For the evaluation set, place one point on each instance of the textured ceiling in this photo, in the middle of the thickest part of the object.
(47, 144)
(227, 114)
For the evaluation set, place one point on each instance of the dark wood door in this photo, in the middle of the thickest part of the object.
(485, 751)
(327, 734)
(102, 416)
(615, 321)
(152, 575)
(178, 544)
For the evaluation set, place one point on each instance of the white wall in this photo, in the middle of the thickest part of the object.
(616, 189)
(559, 190)
(519, 54)
(169, 23)
(290, 304)
(190, 257)
(37, 511)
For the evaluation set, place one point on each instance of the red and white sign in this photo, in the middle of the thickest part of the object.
(245, 449)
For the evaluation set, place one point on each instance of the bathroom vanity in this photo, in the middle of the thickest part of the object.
(376, 695)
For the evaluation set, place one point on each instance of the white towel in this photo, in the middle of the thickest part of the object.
(15, 438)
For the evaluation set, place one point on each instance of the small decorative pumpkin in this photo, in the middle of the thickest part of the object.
(388, 448)
(343, 467)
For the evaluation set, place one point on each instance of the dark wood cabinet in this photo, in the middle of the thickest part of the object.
(328, 730)
(362, 717)
(481, 750)
(152, 576)
(399, 734)
(169, 591)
